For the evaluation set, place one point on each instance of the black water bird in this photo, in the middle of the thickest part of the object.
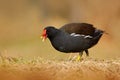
(73, 37)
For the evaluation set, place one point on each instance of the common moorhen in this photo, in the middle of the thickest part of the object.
(73, 37)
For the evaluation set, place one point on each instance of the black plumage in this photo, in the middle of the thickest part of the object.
(73, 37)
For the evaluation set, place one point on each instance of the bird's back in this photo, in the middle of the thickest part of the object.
(78, 28)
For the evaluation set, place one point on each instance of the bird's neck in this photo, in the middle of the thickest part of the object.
(54, 34)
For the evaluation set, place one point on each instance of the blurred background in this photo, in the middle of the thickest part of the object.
(22, 21)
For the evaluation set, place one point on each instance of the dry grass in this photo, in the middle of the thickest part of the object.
(40, 69)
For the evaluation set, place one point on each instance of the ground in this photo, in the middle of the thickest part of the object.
(41, 69)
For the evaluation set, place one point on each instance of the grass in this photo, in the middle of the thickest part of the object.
(40, 69)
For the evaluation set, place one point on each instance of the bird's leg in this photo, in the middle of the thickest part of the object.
(79, 56)
(87, 52)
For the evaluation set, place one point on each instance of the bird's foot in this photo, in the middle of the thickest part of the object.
(79, 58)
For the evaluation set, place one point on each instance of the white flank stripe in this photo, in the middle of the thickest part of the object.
(88, 36)
(85, 36)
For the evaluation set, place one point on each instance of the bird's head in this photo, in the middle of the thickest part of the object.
(48, 32)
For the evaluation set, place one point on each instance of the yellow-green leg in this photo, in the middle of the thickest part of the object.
(79, 56)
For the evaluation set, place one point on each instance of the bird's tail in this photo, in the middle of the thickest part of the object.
(96, 37)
